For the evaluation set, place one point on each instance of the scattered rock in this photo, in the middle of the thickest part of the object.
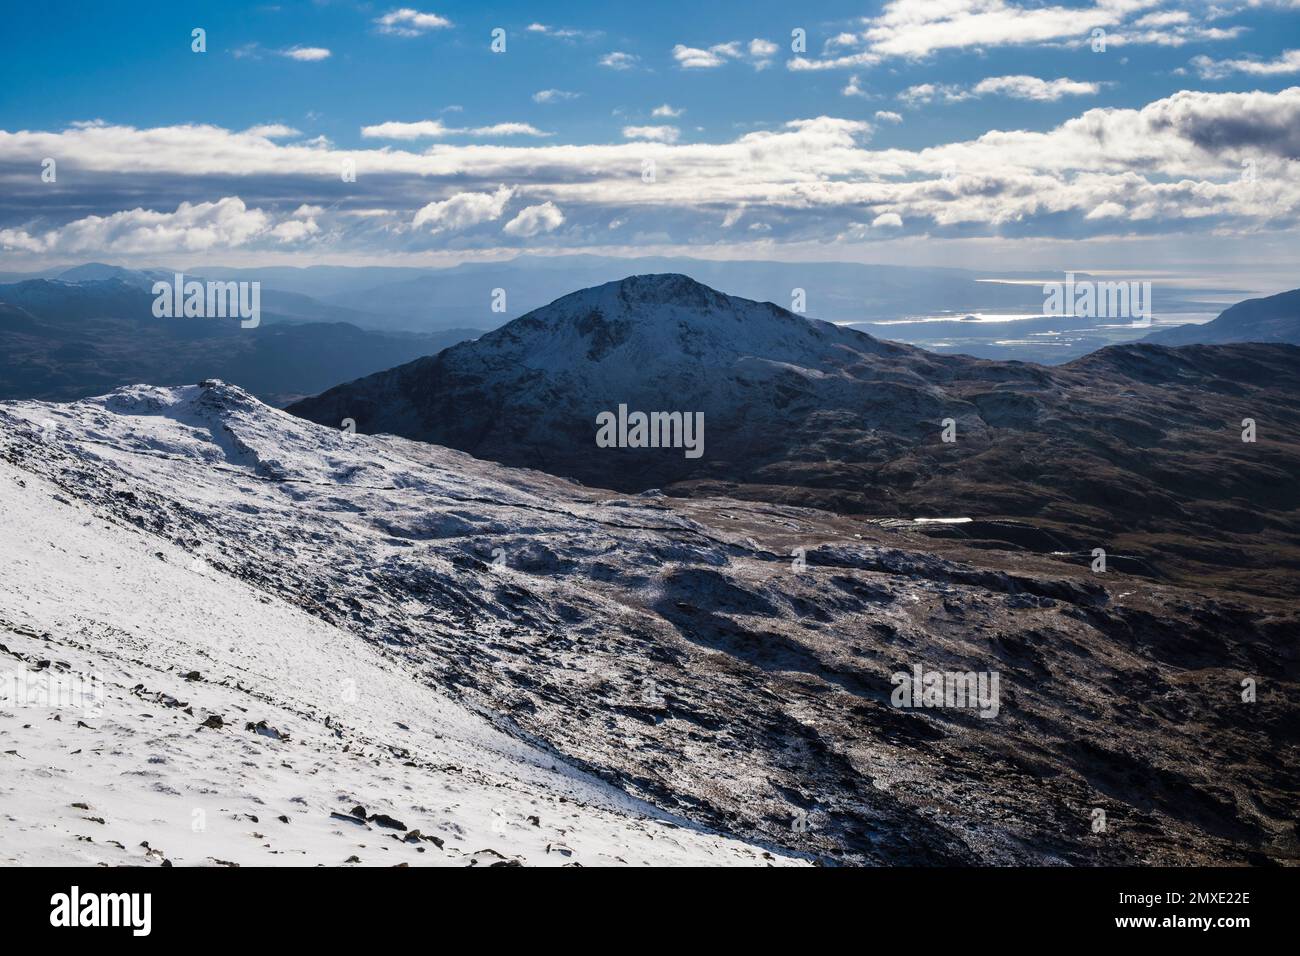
(265, 730)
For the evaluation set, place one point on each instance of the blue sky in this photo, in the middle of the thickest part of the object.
(901, 128)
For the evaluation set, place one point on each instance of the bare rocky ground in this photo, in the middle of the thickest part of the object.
(676, 649)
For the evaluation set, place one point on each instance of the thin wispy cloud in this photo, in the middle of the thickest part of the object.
(1034, 88)
(272, 131)
(655, 134)
(306, 54)
(1013, 87)
(554, 96)
(302, 54)
(1210, 69)
(436, 129)
(563, 33)
(618, 60)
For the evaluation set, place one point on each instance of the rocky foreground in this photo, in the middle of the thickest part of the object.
(714, 671)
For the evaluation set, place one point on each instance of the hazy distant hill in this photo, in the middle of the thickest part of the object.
(1272, 319)
(63, 340)
(988, 314)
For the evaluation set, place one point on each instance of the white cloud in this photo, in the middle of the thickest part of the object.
(618, 60)
(421, 129)
(506, 129)
(554, 96)
(887, 220)
(759, 53)
(193, 227)
(271, 131)
(924, 93)
(1163, 18)
(1107, 210)
(562, 33)
(19, 240)
(1033, 88)
(853, 89)
(888, 116)
(535, 219)
(1173, 166)
(915, 29)
(1014, 87)
(666, 112)
(436, 129)
(463, 210)
(306, 54)
(406, 22)
(294, 230)
(834, 63)
(692, 58)
(1287, 62)
(657, 134)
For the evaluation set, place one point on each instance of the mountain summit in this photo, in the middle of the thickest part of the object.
(1121, 447)
(530, 392)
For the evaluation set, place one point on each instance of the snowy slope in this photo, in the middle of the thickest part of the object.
(136, 778)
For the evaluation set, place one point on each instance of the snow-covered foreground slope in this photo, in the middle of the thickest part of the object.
(456, 646)
(136, 777)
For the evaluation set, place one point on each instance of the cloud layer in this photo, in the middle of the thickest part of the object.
(1191, 163)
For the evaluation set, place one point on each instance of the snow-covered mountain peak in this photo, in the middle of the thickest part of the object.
(665, 289)
(645, 323)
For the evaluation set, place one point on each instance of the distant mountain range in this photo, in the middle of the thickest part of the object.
(1131, 441)
(989, 314)
(67, 339)
(1272, 319)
